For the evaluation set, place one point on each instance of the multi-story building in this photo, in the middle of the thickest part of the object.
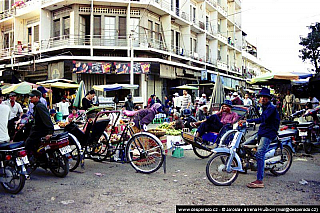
(166, 42)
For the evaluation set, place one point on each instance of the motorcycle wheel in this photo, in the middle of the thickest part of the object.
(17, 182)
(75, 154)
(307, 147)
(286, 160)
(59, 164)
(216, 172)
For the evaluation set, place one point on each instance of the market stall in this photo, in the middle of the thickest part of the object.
(109, 101)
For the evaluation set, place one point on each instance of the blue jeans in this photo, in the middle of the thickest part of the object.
(260, 154)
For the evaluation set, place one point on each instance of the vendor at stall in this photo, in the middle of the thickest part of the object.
(87, 101)
(129, 105)
(73, 116)
(178, 123)
(64, 107)
(145, 116)
(53, 115)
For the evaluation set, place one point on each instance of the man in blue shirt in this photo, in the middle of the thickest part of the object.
(269, 124)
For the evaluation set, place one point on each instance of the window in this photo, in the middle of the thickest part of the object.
(66, 25)
(6, 40)
(150, 29)
(36, 33)
(194, 45)
(178, 42)
(207, 52)
(172, 39)
(97, 26)
(191, 50)
(122, 27)
(7, 4)
(56, 29)
(157, 31)
(207, 23)
(29, 35)
(110, 30)
(193, 13)
(219, 25)
(134, 28)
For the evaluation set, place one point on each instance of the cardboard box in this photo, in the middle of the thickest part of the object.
(174, 140)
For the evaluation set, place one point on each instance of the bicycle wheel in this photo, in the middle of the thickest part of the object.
(216, 170)
(99, 151)
(145, 153)
(75, 153)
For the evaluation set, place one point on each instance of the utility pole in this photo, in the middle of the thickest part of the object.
(91, 29)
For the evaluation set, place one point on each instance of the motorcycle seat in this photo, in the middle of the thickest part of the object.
(304, 124)
(250, 146)
(287, 133)
(8, 146)
(59, 136)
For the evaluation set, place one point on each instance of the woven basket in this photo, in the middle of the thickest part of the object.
(157, 132)
(187, 137)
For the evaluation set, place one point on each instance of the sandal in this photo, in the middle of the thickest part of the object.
(255, 184)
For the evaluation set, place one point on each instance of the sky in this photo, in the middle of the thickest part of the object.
(275, 27)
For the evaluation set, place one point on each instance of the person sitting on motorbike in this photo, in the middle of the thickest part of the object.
(269, 124)
(178, 123)
(42, 127)
(215, 122)
(145, 116)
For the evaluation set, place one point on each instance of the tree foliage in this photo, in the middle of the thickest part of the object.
(311, 46)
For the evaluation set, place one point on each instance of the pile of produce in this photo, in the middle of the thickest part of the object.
(169, 128)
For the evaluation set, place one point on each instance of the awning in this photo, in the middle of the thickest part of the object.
(111, 87)
(59, 85)
(22, 88)
(273, 78)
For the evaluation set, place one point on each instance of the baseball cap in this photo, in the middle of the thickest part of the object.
(12, 94)
(35, 92)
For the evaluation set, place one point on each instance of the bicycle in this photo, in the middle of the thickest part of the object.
(142, 150)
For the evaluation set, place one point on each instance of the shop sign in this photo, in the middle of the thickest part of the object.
(204, 75)
(107, 67)
(92, 68)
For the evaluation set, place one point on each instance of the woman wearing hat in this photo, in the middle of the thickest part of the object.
(236, 99)
(269, 124)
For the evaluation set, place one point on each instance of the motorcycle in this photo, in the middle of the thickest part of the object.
(308, 131)
(13, 159)
(231, 159)
(23, 131)
(52, 154)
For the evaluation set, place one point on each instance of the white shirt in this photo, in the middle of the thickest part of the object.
(247, 102)
(63, 108)
(14, 110)
(4, 118)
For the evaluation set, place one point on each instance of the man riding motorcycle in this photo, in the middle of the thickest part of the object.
(42, 127)
(269, 124)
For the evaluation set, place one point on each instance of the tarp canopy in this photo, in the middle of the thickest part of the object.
(57, 80)
(185, 87)
(111, 87)
(59, 85)
(21, 88)
(303, 75)
(81, 92)
(274, 78)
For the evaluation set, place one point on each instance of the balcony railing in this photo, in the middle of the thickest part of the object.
(28, 3)
(181, 14)
(6, 14)
(213, 2)
(198, 24)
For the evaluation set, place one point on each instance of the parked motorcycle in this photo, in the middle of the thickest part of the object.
(308, 131)
(53, 154)
(13, 173)
(228, 160)
(23, 131)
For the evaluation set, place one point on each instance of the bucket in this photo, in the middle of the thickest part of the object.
(59, 116)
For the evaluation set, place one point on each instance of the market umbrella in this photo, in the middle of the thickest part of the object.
(272, 78)
(186, 87)
(21, 88)
(111, 87)
(81, 92)
(217, 93)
